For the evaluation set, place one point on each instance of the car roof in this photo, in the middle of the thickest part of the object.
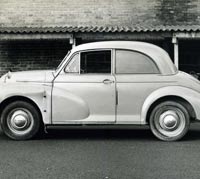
(157, 54)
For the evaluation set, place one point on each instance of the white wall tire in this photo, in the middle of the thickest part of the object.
(169, 121)
(20, 120)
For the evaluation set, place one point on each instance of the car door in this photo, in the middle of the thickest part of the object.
(137, 76)
(84, 91)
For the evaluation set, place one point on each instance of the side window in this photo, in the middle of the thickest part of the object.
(73, 66)
(131, 62)
(96, 62)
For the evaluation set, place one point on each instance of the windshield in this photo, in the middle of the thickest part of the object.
(63, 60)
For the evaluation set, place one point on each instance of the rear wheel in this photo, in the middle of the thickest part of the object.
(20, 120)
(169, 121)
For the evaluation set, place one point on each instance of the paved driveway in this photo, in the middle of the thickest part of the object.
(101, 154)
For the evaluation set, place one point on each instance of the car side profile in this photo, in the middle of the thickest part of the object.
(114, 83)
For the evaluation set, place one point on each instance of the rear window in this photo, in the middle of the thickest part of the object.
(131, 62)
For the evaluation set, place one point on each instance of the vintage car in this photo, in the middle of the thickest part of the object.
(115, 84)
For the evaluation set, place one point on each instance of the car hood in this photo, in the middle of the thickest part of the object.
(29, 76)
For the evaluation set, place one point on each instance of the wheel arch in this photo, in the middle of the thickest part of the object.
(179, 99)
(11, 99)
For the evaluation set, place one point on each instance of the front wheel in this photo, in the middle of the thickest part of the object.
(20, 120)
(169, 121)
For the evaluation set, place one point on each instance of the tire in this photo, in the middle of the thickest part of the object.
(169, 121)
(20, 120)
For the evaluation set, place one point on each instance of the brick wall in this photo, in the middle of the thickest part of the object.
(31, 55)
(98, 12)
(45, 54)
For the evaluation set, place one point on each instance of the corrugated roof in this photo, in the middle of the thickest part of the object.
(50, 16)
(76, 29)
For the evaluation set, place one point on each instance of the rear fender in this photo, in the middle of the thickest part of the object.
(191, 96)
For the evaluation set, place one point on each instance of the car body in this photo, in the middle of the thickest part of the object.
(115, 83)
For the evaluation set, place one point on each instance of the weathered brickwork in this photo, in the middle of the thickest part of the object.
(31, 55)
(176, 12)
(98, 12)
(46, 54)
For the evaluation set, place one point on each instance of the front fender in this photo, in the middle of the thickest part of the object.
(190, 95)
(39, 93)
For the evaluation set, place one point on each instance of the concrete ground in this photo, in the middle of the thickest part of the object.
(101, 154)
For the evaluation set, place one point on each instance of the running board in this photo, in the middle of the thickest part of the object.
(94, 126)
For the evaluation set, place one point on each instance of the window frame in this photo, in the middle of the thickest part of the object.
(69, 61)
(115, 63)
(90, 50)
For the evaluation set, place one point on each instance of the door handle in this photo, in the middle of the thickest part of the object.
(107, 81)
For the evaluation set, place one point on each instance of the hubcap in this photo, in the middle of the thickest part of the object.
(20, 120)
(169, 120)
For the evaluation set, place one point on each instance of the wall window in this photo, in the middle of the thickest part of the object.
(131, 62)
(96, 62)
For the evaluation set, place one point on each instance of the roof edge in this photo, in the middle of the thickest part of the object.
(100, 29)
